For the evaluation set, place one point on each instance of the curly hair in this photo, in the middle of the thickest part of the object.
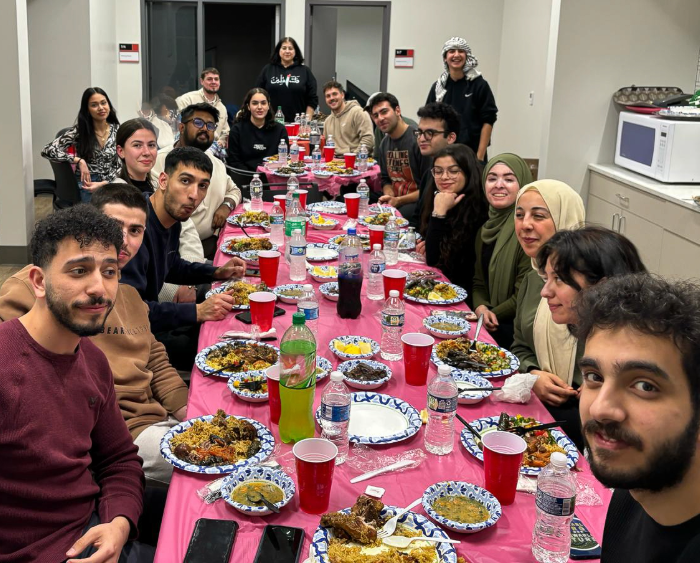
(649, 305)
(87, 140)
(443, 112)
(83, 222)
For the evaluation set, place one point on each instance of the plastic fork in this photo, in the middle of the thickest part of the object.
(390, 527)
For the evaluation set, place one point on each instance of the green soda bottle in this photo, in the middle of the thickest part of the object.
(297, 381)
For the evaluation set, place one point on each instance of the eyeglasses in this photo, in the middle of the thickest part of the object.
(428, 133)
(199, 123)
(452, 172)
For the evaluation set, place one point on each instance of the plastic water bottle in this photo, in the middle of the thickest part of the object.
(411, 238)
(362, 158)
(363, 190)
(375, 282)
(294, 151)
(442, 407)
(297, 122)
(276, 224)
(282, 153)
(335, 415)
(294, 220)
(303, 124)
(314, 136)
(555, 502)
(256, 193)
(308, 304)
(297, 257)
(330, 142)
(316, 159)
(392, 326)
(292, 186)
(279, 116)
(350, 276)
(391, 242)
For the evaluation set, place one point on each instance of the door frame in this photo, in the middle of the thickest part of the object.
(386, 22)
(145, 66)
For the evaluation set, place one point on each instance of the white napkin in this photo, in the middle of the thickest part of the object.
(241, 334)
(516, 389)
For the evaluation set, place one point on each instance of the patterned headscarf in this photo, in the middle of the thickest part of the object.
(469, 66)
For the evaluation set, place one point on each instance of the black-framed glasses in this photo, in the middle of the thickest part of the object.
(452, 171)
(199, 123)
(428, 133)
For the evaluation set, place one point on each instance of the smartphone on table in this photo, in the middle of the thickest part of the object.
(211, 541)
(280, 544)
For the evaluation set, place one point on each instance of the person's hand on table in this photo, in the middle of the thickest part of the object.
(185, 294)
(550, 389)
(420, 247)
(220, 216)
(389, 200)
(215, 308)
(234, 268)
(109, 539)
(444, 201)
(490, 318)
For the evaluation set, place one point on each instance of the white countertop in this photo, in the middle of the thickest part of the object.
(681, 194)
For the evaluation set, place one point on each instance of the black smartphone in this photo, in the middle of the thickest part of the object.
(211, 541)
(244, 317)
(280, 544)
(583, 544)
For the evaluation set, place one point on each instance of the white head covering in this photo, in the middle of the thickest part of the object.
(469, 66)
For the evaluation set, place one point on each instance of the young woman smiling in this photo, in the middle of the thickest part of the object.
(501, 263)
(137, 149)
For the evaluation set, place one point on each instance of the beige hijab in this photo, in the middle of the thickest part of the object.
(554, 345)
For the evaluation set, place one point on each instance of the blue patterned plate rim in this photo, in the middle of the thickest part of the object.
(514, 364)
(331, 247)
(224, 246)
(325, 287)
(350, 364)
(325, 365)
(461, 296)
(350, 339)
(242, 392)
(476, 380)
(200, 358)
(471, 491)
(337, 206)
(257, 473)
(279, 290)
(232, 219)
(427, 323)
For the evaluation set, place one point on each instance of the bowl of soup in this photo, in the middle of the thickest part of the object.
(461, 506)
(445, 326)
(275, 485)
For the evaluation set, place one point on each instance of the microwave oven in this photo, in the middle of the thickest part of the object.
(664, 149)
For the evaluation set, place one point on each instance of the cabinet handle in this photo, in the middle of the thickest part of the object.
(623, 225)
(623, 199)
(612, 227)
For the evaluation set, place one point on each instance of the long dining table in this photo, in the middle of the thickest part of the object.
(508, 541)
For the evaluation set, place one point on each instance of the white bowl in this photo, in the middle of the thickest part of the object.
(249, 396)
(324, 278)
(445, 488)
(365, 385)
(446, 334)
(353, 340)
(258, 473)
(285, 298)
(325, 290)
(325, 227)
(471, 397)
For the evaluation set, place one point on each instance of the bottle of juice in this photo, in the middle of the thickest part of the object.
(297, 381)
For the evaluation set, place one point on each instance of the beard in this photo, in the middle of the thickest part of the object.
(62, 313)
(199, 141)
(666, 466)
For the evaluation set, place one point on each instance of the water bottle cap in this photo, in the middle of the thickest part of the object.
(298, 319)
(444, 370)
(295, 194)
(393, 292)
(308, 287)
(337, 376)
(558, 459)
(377, 247)
(352, 231)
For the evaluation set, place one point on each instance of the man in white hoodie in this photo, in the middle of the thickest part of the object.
(348, 123)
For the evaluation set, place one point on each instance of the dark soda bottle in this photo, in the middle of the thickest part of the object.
(350, 277)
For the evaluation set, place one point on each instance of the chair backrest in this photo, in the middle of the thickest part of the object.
(67, 191)
(271, 190)
(61, 132)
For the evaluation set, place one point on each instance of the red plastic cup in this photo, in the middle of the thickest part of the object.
(269, 261)
(328, 153)
(282, 201)
(393, 279)
(302, 153)
(416, 356)
(273, 392)
(302, 197)
(350, 159)
(315, 461)
(290, 129)
(296, 129)
(376, 235)
(503, 454)
(352, 203)
(262, 308)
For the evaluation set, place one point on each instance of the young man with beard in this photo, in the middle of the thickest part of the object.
(197, 130)
(348, 123)
(151, 395)
(71, 482)
(208, 94)
(640, 414)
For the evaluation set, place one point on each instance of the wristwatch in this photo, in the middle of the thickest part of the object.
(228, 204)
(438, 216)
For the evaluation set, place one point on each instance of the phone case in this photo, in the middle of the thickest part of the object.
(244, 317)
(583, 544)
(211, 541)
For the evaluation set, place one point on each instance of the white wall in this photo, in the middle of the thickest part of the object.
(359, 46)
(603, 46)
(129, 76)
(522, 69)
(104, 50)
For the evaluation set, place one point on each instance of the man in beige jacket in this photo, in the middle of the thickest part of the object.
(151, 394)
(348, 123)
(211, 82)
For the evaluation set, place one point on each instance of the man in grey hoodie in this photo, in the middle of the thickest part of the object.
(348, 123)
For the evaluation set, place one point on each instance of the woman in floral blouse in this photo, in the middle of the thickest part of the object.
(90, 144)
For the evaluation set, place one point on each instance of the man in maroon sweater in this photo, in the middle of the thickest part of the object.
(71, 483)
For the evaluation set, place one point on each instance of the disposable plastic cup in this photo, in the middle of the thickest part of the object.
(290, 129)
(328, 153)
(376, 235)
(416, 356)
(262, 308)
(352, 203)
(269, 261)
(503, 454)
(302, 153)
(315, 461)
(302, 197)
(273, 392)
(296, 130)
(350, 159)
(282, 201)
(394, 279)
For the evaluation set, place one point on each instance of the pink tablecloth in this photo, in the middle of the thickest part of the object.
(508, 541)
(332, 184)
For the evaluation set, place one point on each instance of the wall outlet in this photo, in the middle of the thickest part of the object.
(531, 98)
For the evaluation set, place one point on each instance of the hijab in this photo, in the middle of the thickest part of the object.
(469, 68)
(554, 345)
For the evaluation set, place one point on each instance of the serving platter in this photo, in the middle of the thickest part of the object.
(513, 360)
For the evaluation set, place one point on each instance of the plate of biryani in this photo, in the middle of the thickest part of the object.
(434, 292)
(250, 219)
(236, 245)
(350, 536)
(541, 444)
(240, 291)
(382, 219)
(239, 357)
(338, 240)
(216, 444)
(488, 360)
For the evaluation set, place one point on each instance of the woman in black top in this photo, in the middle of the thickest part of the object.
(254, 134)
(454, 208)
(291, 85)
(137, 149)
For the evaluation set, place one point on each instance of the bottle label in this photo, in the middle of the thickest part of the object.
(390, 236)
(276, 220)
(442, 404)
(297, 251)
(335, 413)
(311, 313)
(290, 226)
(377, 267)
(555, 506)
(393, 320)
